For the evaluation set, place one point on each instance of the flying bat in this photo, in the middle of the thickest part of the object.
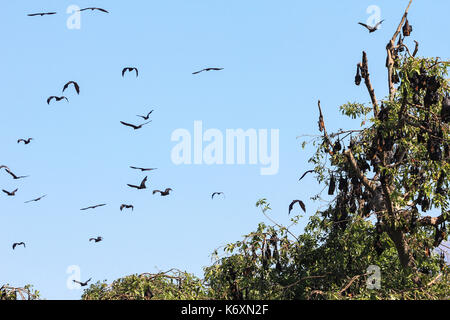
(10, 194)
(76, 86)
(371, 29)
(18, 244)
(25, 141)
(134, 126)
(302, 205)
(93, 207)
(41, 14)
(83, 284)
(141, 186)
(163, 193)
(98, 239)
(92, 9)
(14, 176)
(143, 169)
(217, 193)
(145, 117)
(208, 69)
(309, 171)
(129, 69)
(126, 206)
(56, 98)
(37, 199)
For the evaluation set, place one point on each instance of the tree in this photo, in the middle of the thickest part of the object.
(386, 179)
(171, 285)
(26, 293)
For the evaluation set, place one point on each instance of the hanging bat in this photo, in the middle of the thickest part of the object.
(145, 117)
(208, 69)
(83, 284)
(10, 194)
(36, 200)
(126, 206)
(163, 193)
(358, 77)
(18, 244)
(143, 169)
(134, 126)
(141, 186)
(371, 29)
(92, 9)
(14, 176)
(93, 207)
(41, 14)
(130, 69)
(217, 193)
(98, 239)
(25, 141)
(407, 29)
(76, 86)
(302, 205)
(56, 98)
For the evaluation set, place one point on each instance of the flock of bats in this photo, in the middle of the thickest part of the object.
(142, 185)
(58, 98)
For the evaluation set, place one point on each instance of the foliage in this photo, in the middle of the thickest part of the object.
(25, 293)
(170, 285)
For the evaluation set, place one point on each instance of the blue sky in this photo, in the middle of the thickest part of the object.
(279, 58)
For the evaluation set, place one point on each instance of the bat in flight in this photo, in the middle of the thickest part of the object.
(130, 69)
(83, 284)
(56, 98)
(18, 244)
(93, 207)
(25, 141)
(76, 86)
(143, 169)
(141, 186)
(134, 126)
(41, 14)
(126, 206)
(208, 69)
(163, 193)
(14, 176)
(309, 171)
(36, 200)
(147, 116)
(92, 9)
(98, 239)
(10, 194)
(302, 205)
(371, 29)
(217, 193)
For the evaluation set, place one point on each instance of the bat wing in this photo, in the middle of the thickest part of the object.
(309, 171)
(364, 25)
(11, 173)
(143, 182)
(378, 24)
(129, 125)
(302, 205)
